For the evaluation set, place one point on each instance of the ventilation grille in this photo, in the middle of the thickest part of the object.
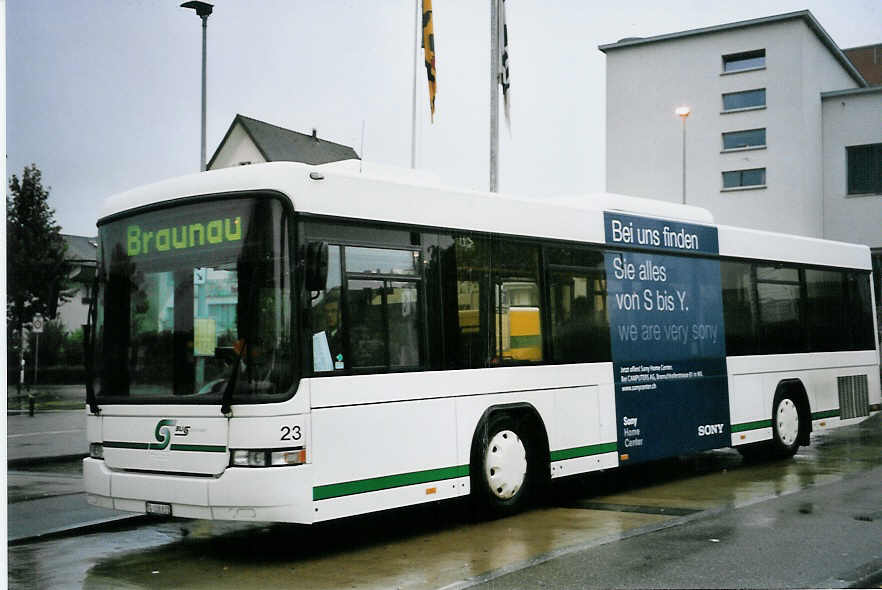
(853, 396)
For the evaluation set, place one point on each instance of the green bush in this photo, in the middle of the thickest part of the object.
(61, 356)
(59, 375)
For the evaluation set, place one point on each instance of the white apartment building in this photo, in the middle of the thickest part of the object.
(783, 133)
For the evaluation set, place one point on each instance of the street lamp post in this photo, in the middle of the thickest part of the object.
(683, 112)
(203, 10)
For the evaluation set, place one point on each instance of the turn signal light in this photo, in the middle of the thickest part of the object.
(293, 457)
(267, 457)
(96, 450)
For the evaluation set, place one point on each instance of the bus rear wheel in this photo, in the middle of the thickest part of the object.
(503, 467)
(785, 425)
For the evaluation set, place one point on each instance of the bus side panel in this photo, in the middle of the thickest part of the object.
(584, 437)
(577, 407)
(747, 404)
(818, 373)
(377, 456)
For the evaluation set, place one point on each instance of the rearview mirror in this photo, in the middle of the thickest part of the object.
(316, 266)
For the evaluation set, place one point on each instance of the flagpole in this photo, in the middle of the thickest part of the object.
(413, 108)
(494, 96)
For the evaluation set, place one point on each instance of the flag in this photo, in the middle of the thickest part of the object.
(429, 51)
(503, 72)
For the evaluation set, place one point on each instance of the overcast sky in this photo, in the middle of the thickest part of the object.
(104, 95)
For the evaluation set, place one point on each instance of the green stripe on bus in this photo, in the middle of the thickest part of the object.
(109, 444)
(385, 482)
(200, 448)
(751, 425)
(583, 451)
(768, 423)
(144, 446)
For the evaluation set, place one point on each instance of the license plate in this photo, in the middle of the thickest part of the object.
(158, 509)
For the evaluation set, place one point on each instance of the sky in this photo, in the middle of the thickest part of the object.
(104, 95)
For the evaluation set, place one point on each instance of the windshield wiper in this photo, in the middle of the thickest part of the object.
(227, 397)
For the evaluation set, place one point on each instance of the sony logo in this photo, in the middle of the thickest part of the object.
(708, 429)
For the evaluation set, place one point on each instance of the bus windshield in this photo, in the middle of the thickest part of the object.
(188, 292)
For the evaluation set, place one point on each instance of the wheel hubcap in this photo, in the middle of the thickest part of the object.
(788, 422)
(505, 465)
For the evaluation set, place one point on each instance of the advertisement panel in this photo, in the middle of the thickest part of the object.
(668, 341)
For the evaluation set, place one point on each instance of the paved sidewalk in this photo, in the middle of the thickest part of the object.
(45, 481)
(45, 436)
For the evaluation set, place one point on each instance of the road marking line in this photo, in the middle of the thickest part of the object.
(658, 510)
(42, 433)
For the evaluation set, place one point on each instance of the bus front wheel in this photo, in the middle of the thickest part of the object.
(503, 469)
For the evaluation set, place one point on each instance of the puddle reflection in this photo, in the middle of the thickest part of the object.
(433, 545)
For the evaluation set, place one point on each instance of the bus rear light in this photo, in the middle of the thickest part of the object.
(267, 458)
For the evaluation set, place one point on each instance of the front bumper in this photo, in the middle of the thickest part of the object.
(273, 494)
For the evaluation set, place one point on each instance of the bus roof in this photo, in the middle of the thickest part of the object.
(367, 191)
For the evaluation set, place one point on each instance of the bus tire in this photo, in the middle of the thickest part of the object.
(504, 467)
(786, 424)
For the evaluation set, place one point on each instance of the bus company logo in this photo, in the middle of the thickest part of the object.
(162, 433)
(216, 231)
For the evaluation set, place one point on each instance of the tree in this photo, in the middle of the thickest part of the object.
(36, 269)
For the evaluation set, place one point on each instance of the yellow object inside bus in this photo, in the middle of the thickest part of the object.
(524, 341)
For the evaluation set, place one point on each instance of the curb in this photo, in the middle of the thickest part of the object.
(28, 461)
(868, 575)
(42, 411)
(85, 528)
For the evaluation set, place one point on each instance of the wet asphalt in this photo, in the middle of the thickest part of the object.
(45, 495)
(710, 520)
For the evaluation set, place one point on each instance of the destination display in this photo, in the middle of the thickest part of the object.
(140, 241)
(667, 337)
(195, 235)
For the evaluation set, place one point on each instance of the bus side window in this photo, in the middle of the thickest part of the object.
(780, 309)
(384, 311)
(739, 307)
(579, 318)
(327, 320)
(579, 323)
(466, 283)
(518, 306)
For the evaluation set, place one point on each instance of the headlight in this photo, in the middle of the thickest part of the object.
(267, 457)
(96, 450)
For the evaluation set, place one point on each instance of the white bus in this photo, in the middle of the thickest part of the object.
(293, 343)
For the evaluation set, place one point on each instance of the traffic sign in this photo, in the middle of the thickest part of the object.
(37, 324)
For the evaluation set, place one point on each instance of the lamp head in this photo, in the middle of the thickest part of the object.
(683, 111)
(202, 9)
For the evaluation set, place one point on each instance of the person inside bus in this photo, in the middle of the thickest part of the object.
(328, 333)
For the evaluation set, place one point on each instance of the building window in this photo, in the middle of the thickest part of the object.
(744, 139)
(744, 100)
(747, 60)
(864, 168)
(744, 178)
